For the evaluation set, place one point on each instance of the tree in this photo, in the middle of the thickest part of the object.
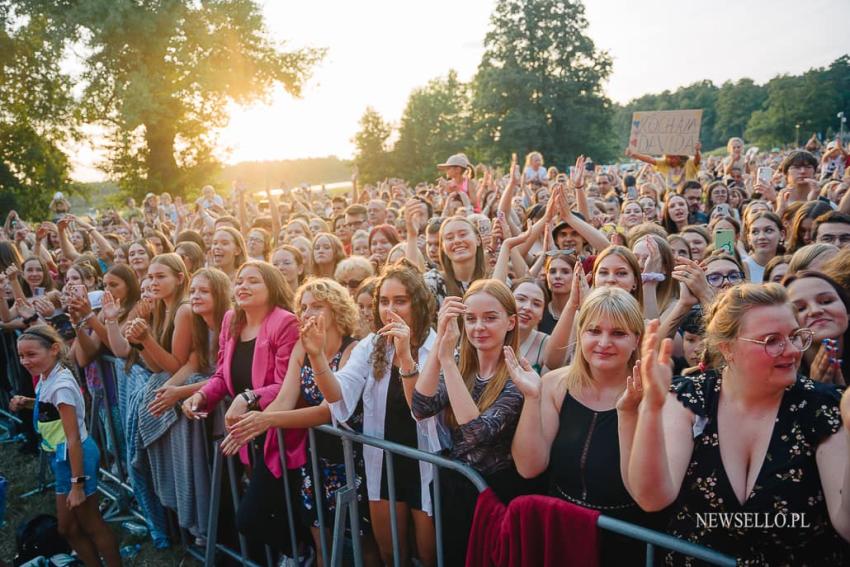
(371, 156)
(539, 84)
(436, 123)
(736, 102)
(159, 73)
(36, 115)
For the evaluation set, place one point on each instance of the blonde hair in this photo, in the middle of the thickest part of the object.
(619, 307)
(163, 321)
(468, 364)
(630, 259)
(346, 315)
(354, 264)
(805, 256)
(726, 312)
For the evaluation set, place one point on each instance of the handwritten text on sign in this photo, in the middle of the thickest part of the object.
(671, 132)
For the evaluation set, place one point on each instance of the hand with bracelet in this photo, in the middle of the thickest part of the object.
(399, 332)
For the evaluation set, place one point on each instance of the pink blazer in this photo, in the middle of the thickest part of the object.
(275, 341)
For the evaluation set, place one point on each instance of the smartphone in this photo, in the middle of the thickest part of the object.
(765, 174)
(572, 172)
(631, 192)
(80, 291)
(39, 292)
(724, 210)
(724, 239)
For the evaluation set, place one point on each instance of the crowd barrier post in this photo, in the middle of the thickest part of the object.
(317, 491)
(290, 514)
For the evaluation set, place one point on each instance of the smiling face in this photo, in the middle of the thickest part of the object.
(568, 238)
(201, 296)
(250, 289)
(360, 246)
(138, 258)
(530, 303)
(750, 360)
(486, 322)
(719, 194)
(613, 270)
(559, 276)
(459, 241)
(606, 345)
(632, 215)
(697, 244)
(224, 251)
(284, 260)
(311, 307)
(163, 282)
(819, 308)
(256, 244)
(728, 270)
(393, 297)
(33, 273)
(381, 246)
(294, 229)
(115, 286)
(36, 357)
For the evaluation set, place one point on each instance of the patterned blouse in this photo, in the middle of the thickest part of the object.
(485, 442)
(787, 488)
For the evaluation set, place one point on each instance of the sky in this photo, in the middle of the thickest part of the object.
(380, 50)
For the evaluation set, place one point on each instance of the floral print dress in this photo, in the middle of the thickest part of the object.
(787, 484)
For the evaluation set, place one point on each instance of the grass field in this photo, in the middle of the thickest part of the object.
(21, 471)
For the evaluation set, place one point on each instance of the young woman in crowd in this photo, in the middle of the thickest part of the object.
(381, 240)
(328, 252)
(255, 345)
(764, 236)
(297, 227)
(822, 305)
(479, 402)
(192, 255)
(680, 246)
(811, 257)
(379, 373)
(698, 240)
(461, 257)
(631, 214)
(723, 271)
(568, 424)
(290, 262)
(60, 414)
(363, 297)
(531, 302)
(618, 266)
(801, 225)
(743, 438)
(655, 256)
(228, 250)
(674, 213)
(259, 244)
(305, 247)
(210, 291)
(559, 268)
(360, 244)
(139, 256)
(776, 269)
(324, 299)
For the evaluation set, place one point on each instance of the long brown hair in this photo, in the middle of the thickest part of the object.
(468, 364)
(280, 294)
(204, 349)
(423, 307)
(452, 285)
(163, 321)
(126, 274)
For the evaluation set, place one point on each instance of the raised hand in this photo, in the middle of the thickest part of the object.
(399, 332)
(633, 393)
(144, 308)
(692, 276)
(652, 263)
(448, 331)
(110, 307)
(313, 335)
(577, 178)
(25, 309)
(137, 331)
(579, 288)
(526, 380)
(44, 306)
(656, 368)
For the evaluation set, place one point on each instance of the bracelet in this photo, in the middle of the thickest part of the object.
(30, 320)
(109, 321)
(652, 277)
(413, 372)
(82, 322)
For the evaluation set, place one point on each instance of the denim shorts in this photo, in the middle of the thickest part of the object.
(61, 465)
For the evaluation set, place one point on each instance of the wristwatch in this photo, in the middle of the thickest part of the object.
(251, 398)
(413, 372)
(79, 479)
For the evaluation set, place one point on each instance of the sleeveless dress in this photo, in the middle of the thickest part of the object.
(788, 482)
(330, 455)
(584, 469)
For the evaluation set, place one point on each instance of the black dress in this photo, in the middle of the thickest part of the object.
(584, 468)
(788, 482)
(400, 427)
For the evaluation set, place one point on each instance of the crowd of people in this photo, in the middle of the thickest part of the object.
(528, 323)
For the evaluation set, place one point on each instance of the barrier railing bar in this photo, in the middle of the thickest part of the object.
(289, 511)
(318, 491)
(393, 512)
(110, 428)
(11, 417)
(339, 527)
(353, 504)
(650, 555)
(234, 496)
(118, 481)
(403, 450)
(215, 504)
(233, 555)
(436, 505)
(666, 541)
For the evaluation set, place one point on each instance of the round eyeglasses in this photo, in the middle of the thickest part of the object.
(717, 279)
(774, 343)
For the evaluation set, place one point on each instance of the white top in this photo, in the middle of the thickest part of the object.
(756, 270)
(60, 387)
(356, 381)
(540, 173)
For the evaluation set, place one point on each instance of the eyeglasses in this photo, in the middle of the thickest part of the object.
(355, 224)
(836, 239)
(352, 284)
(568, 252)
(774, 343)
(716, 280)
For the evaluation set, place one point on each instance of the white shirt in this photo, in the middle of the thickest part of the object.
(756, 270)
(356, 380)
(60, 387)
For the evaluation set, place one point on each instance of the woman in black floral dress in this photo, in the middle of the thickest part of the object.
(753, 458)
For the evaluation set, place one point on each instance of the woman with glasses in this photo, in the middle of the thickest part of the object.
(352, 271)
(259, 244)
(822, 305)
(753, 439)
(723, 271)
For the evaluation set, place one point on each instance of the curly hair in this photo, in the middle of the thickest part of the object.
(423, 308)
(346, 316)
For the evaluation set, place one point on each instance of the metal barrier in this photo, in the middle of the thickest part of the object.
(346, 501)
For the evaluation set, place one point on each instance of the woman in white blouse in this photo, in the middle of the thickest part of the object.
(379, 373)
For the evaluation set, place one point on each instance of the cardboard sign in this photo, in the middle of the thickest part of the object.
(670, 132)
